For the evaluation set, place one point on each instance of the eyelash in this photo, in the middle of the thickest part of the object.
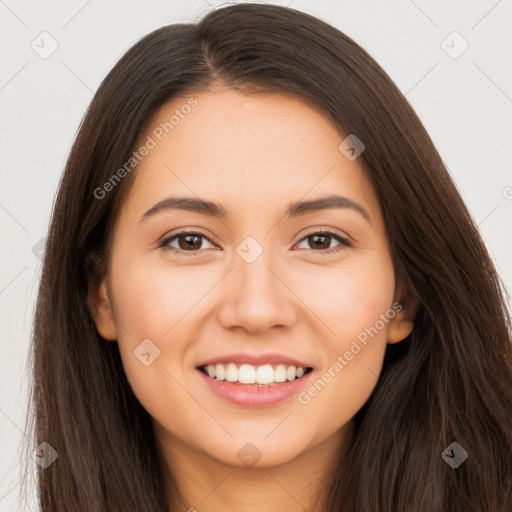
(344, 243)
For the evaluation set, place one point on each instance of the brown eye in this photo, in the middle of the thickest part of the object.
(319, 241)
(322, 241)
(187, 242)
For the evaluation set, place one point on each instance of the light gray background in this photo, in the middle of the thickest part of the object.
(465, 104)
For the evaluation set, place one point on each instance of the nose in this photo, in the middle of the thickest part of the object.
(257, 298)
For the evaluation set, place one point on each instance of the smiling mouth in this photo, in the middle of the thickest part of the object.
(256, 376)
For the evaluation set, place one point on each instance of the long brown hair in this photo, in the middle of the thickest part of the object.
(449, 381)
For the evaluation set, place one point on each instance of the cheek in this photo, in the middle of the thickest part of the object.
(149, 304)
(351, 302)
(348, 298)
(154, 300)
(161, 302)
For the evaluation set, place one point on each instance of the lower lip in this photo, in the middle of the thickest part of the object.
(248, 395)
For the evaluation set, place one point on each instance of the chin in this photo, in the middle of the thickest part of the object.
(256, 452)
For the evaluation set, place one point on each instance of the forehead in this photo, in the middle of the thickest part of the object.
(242, 148)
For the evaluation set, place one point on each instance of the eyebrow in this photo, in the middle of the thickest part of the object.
(293, 210)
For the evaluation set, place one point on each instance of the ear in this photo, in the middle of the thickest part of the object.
(402, 324)
(101, 309)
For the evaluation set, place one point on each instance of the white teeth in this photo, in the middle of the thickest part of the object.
(249, 374)
(280, 373)
(220, 372)
(291, 372)
(264, 374)
(246, 374)
(231, 372)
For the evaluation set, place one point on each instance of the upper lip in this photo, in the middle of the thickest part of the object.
(256, 359)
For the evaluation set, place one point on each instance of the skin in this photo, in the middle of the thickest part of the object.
(254, 155)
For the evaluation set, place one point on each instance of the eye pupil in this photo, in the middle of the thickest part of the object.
(320, 245)
(188, 244)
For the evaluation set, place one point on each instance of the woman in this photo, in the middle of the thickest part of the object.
(262, 290)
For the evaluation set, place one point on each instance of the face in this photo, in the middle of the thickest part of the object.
(269, 283)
